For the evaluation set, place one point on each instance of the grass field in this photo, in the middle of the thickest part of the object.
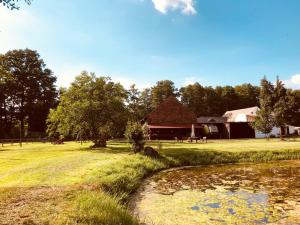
(71, 184)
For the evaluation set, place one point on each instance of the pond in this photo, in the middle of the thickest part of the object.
(267, 193)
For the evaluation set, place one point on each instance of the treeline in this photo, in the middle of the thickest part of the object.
(27, 92)
(96, 105)
(278, 107)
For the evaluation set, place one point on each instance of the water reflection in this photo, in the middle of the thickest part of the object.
(227, 194)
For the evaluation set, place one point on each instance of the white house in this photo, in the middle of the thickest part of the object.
(248, 115)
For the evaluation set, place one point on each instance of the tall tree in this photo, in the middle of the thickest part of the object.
(264, 120)
(194, 97)
(161, 91)
(248, 95)
(295, 110)
(282, 105)
(134, 103)
(31, 90)
(146, 102)
(215, 103)
(92, 105)
(230, 98)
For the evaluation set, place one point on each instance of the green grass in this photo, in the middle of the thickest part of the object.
(71, 184)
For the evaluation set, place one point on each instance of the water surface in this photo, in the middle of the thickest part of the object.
(266, 193)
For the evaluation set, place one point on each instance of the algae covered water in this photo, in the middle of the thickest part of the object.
(267, 193)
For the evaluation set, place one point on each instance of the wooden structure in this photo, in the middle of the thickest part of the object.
(172, 120)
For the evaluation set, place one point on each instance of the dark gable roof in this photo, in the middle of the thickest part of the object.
(172, 112)
(211, 119)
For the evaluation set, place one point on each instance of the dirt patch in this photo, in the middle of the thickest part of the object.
(29, 206)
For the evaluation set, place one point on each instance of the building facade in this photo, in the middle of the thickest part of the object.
(172, 120)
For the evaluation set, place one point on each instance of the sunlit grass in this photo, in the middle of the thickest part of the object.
(82, 178)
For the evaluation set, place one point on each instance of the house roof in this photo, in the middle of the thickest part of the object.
(188, 126)
(241, 115)
(212, 119)
(171, 112)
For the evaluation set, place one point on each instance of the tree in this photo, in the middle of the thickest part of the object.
(134, 104)
(282, 105)
(135, 135)
(264, 120)
(92, 105)
(214, 102)
(194, 97)
(230, 98)
(295, 109)
(12, 4)
(30, 88)
(146, 102)
(161, 91)
(248, 95)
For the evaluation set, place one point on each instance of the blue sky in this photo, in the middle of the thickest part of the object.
(214, 42)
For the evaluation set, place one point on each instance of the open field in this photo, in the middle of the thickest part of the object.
(71, 184)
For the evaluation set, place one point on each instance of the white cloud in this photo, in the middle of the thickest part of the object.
(185, 6)
(294, 82)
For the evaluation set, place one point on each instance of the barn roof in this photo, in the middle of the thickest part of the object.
(171, 112)
(246, 114)
(212, 119)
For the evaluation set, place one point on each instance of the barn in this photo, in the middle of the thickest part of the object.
(171, 120)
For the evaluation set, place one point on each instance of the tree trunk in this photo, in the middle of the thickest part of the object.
(99, 143)
(281, 131)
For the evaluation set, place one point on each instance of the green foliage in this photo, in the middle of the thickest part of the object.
(12, 4)
(248, 95)
(208, 101)
(295, 109)
(281, 104)
(161, 91)
(264, 120)
(135, 135)
(286, 108)
(137, 105)
(92, 105)
(29, 90)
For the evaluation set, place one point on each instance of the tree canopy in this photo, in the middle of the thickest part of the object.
(27, 90)
(92, 105)
(161, 91)
(264, 120)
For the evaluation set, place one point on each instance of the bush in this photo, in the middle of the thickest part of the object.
(135, 135)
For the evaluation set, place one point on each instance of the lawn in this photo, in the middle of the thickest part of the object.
(71, 184)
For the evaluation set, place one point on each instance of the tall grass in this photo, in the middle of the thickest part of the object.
(91, 208)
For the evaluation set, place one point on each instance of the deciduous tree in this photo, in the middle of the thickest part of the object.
(29, 88)
(92, 105)
(264, 120)
(161, 91)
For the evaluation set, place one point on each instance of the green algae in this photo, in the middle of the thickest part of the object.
(266, 193)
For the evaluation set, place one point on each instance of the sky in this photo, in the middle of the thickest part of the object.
(213, 42)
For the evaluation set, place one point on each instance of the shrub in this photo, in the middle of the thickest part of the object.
(135, 135)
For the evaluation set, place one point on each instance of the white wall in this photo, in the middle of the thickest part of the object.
(275, 131)
(241, 118)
